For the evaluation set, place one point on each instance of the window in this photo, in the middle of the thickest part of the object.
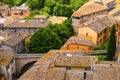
(85, 75)
(90, 37)
(21, 13)
(15, 13)
(77, 47)
(67, 47)
(68, 68)
(86, 34)
(97, 42)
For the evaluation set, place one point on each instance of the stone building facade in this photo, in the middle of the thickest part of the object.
(90, 10)
(15, 43)
(98, 29)
(4, 11)
(25, 26)
(19, 12)
(7, 65)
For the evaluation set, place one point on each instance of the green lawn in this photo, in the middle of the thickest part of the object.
(101, 56)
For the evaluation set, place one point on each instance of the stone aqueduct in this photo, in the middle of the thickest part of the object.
(22, 59)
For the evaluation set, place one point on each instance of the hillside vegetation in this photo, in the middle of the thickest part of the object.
(49, 7)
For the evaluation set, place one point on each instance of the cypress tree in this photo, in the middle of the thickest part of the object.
(112, 44)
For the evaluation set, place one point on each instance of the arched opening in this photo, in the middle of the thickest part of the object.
(26, 67)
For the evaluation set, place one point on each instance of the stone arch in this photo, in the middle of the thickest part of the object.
(26, 67)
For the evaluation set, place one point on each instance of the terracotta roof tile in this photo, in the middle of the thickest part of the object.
(44, 68)
(27, 24)
(19, 8)
(40, 16)
(88, 9)
(57, 19)
(99, 23)
(5, 58)
(78, 75)
(78, 40)
(14, 39)
(107, 71)
(4, 7)
(71, 60)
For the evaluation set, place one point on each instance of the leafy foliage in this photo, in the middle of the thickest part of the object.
(103, 47)
(52, 37)
(112, 45)
(13, 2)
(35, 4)
(77, 3)
(44, 40)
(50, 7)
(62, 10)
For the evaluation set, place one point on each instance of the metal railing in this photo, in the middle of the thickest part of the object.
(95, 52)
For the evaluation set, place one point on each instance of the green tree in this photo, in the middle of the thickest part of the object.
(35, 4)
(17, 2)
(52, 37)
(68, 24)
(77, 3)
(111, 45)
(66, 2)
(62, 10)
(64, 31)
(46, 9)
(44, 40)
(10, 2)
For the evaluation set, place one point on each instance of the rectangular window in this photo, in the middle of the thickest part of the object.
(85, 74)
(86, 34)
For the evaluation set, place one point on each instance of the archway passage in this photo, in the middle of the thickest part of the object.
(26, 67)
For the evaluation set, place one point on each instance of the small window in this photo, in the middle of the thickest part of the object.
(15, 13)
(21, 13)
(90, 37)
(85, 75)
(68, 68)
(77, 47)
(86, 34)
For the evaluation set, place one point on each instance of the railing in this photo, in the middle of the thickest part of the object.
(40, 55)
(28, 55)
(96, 52)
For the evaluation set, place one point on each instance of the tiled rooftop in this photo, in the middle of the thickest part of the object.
(46, 69)
(78, 75)
(40, 16)
(107, 71)
(89, 8)
(5, 58)
(27, 24)
(57, 19)
(105, 1)
(78, 40)
(14, 39)
(19, 8)
(70, 60)
(115, 10)
(99, 23)
(4, 7)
